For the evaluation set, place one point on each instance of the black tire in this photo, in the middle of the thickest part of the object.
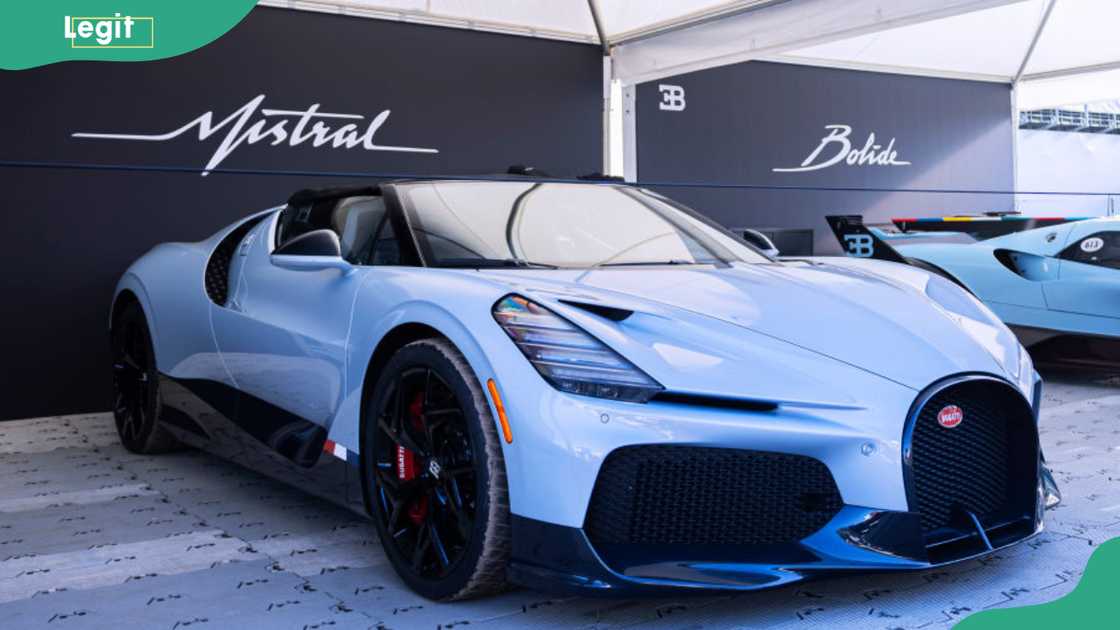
(445, 528)
(136, 401)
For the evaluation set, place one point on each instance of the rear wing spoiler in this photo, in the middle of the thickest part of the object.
(860, 242)
(980, 227)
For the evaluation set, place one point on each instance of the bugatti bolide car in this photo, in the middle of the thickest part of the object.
(584, 386)
(1057, 286)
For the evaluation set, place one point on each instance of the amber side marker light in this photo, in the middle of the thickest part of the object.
(490, 385)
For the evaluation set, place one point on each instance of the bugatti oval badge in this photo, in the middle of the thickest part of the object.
(950, 416)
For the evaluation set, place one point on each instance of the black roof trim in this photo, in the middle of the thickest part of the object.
(528, 171)
(319, 194)
(599, 177)
(516, 173)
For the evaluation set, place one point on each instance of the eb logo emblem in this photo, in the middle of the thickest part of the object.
(672, 98)
(859, 245)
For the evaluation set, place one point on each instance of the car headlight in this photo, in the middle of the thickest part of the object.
(567, 357)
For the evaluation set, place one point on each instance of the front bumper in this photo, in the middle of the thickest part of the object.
(557, 558)
(884, 535)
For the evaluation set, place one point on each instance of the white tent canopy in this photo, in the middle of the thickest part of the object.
(1037, 44)
(572, 20)
(1074, 58)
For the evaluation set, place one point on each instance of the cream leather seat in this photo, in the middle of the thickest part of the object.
(354, 220)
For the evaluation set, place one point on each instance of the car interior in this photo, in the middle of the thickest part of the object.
(365, 235)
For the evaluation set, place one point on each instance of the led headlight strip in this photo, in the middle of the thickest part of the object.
(567, 357)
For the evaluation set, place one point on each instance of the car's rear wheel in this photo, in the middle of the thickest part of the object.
(437, 484)
(136, 400)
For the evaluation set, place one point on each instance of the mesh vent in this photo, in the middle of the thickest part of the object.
(699, 496)
(217, 268)
(986, 465)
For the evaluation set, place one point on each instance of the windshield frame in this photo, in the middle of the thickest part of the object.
(722, 257)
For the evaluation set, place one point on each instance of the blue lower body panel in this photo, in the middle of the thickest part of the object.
(557, 558)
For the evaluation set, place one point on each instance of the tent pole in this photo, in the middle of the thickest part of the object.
(1066, 72)
(608, 75)
(1034, 42)
(1015, 100)
(607, 126)
(598, 20)
(1014, 93)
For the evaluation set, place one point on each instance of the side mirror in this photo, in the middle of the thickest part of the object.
(313, 251)
(760, 241)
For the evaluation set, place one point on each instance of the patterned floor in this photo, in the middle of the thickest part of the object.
(94, 537)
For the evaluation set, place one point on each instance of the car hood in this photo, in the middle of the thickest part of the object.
(888, 325)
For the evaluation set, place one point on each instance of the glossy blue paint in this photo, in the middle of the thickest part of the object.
(555, 557)
(841, 348)
(1044, 291)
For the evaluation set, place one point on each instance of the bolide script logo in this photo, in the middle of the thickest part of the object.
(838, 140)
(950, 416)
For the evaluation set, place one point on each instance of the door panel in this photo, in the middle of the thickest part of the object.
(1088, 274)
(283, 336)
(1086, 289)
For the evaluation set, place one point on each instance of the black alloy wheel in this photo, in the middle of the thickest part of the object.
(437, 478)
(136, 386)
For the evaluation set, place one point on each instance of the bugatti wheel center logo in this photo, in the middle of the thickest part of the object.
(950, 416)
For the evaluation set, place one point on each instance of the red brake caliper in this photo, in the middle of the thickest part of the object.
(406, 460)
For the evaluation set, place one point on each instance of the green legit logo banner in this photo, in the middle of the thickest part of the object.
(49, 31)
(1092, 604)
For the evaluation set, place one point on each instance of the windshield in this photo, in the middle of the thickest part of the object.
(534, 224)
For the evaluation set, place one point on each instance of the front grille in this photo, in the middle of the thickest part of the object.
(686, 495)
(987, 465)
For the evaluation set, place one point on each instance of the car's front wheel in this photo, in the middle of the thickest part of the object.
(437, 484)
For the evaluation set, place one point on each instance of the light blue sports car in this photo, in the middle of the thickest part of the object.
(584, 386)
(1057, 286)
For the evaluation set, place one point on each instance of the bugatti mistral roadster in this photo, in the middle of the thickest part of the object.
(585, 386)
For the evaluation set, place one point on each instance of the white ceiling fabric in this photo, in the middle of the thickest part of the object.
(774, 29)
(561, 19)
(961, 44)
(1076, 58)
(652, 39)
(556, 19)
(1079, 34)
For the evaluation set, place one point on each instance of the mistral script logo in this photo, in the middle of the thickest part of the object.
(116, 31)
(252, 123)
(836, 148)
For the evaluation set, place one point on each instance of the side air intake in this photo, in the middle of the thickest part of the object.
(690, 495)
(217, 268)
